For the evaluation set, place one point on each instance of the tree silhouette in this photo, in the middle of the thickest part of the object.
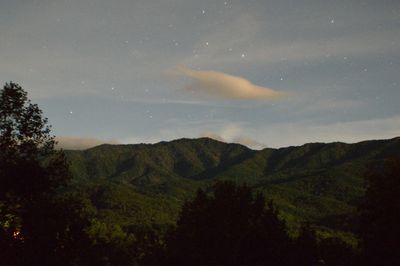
(380, 230)
(35, 225)
(232, 227)
(335, 252)
(306, 246)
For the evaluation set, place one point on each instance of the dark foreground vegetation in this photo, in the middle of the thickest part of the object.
(50, 217)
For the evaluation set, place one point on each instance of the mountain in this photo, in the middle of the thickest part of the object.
(145, 184)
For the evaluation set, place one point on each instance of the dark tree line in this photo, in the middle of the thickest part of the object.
(379, 228)
(230, 228)
(44, 223)
(235, 227)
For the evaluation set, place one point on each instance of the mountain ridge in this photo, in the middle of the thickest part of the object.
(216, 140)
(318, 182)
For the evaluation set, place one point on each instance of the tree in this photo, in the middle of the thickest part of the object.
(306, 246)
(380, 230)
(35, 225)
(232, 227)
(334, 251)
(24, 141)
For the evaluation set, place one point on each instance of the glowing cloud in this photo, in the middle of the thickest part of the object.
(229, 135)
(226, 86)
(78, 143)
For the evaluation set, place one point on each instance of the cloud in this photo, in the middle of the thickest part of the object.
(249, 142)
(233, 133)
(226, 86)
(232, 39)
(212, 135)
(288, 134)
(244, 140)
(79, 143)
(277, 135)
(221, 131)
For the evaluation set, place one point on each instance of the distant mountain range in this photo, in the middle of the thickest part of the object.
(145, 184)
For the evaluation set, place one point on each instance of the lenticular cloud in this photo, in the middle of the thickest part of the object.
(223, 85)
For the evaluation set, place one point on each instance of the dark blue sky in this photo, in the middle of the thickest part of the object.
(262, 73)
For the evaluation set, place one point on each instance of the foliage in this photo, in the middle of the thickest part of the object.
(24, 141)
(334, 251)
(305, 248)
(144, 186)
(320, 183)
(232, 227)
(35, 226)
(380, 229)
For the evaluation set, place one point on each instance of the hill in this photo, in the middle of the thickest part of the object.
(145, 184)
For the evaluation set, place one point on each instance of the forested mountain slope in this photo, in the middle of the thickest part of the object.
(145, 184)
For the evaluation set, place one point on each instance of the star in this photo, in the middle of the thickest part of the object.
(226, 3)
(332, 21)
(203, 11)
(149, 114)
(70, 112)
(243, 55)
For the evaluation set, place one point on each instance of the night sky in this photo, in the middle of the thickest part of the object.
(258, 72)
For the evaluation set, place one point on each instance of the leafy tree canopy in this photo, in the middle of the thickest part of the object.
(232, 227)
(380, 229)
(35, 226)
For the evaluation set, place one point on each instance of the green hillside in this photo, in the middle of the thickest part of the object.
(145, 184)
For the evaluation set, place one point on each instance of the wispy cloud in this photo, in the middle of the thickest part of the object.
(278, 135)
(80, 143)
(225, 132)
(287, 134)
(235, 133)
(249, 142)
(244, 140)
(227, 86)
(230, 41)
